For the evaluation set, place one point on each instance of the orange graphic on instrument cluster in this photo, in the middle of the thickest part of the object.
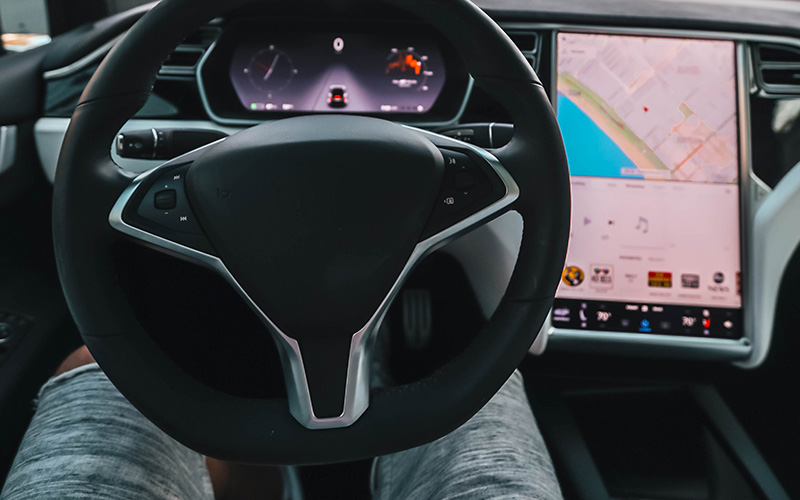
(405, 63)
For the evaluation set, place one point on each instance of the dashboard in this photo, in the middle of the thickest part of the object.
(675, 138)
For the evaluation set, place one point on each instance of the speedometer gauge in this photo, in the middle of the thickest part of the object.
(408, 69)
(271, 70)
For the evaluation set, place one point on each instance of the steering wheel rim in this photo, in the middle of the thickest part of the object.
(89, 184)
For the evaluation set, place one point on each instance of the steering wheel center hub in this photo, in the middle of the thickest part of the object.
(317, 216)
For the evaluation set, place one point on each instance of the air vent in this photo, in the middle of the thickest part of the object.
(778, 68)
(529, 43)
(184, 59)
(526, 42)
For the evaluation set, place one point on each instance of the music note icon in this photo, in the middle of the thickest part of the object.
(643, 225)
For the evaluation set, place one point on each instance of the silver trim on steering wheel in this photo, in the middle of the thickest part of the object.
(357, 390)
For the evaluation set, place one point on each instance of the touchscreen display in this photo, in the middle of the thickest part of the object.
(338, 72)
(650, 129)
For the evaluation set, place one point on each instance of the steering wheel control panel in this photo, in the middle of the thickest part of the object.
(468, 186)
(162, 208)
(403, 71)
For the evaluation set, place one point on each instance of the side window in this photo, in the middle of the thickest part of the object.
(23, 24)
(24, 16)
(29, 23)
(65, 15)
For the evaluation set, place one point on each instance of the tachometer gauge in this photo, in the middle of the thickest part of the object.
(408, 69)
(271, 70)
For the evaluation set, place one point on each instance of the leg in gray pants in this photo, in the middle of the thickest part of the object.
(87, 442)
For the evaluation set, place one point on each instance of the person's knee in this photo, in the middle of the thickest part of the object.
(78, 357)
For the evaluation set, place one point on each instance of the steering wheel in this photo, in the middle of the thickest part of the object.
(315, 221)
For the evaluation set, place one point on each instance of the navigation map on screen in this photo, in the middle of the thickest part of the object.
(650, 129)
(649, 108)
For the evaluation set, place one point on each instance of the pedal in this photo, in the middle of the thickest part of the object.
(417, 318)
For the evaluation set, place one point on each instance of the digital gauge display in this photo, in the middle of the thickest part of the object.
(338, 72)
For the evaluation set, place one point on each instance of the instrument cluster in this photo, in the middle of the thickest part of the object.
(399, 69)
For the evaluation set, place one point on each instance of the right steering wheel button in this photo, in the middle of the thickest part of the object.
(464, 181)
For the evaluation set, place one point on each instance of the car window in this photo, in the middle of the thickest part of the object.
(26, 24)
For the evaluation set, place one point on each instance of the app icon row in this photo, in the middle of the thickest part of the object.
(602, 276)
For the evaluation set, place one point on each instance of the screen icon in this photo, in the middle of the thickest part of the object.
(572, 276)
(643, 225)
(561, 315)
(644, 326)
(602, 277)
(719, 277)
(659, 279)
(690, 280)
(337, 96)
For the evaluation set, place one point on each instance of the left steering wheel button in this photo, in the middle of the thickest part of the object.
(166, 199)
(165, 203)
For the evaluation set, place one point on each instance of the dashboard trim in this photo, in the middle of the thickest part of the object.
(8, 146)
(775, 238)
(82, 63)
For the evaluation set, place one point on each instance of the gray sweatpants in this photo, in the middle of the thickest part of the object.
(87, 442)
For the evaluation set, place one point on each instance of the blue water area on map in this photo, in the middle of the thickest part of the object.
(590, 151)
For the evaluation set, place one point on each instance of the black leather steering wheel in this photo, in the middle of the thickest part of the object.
(315, 221)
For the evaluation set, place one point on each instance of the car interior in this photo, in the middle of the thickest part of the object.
(241, 207)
